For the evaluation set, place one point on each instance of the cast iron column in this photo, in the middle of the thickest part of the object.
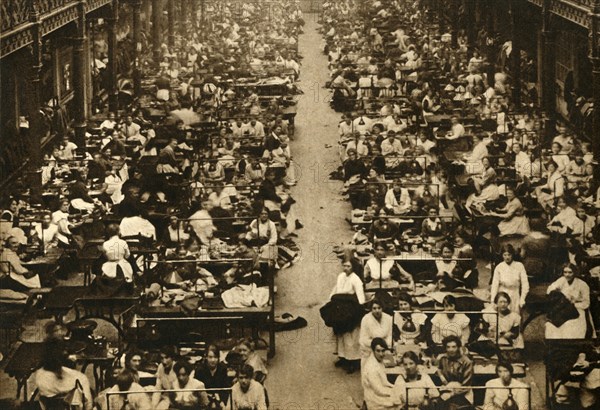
(79, 76)
(137, 47)
(454, 29)
(515, 55)
(548, 72)
(490, 43)
(183, 18)
(595, 59)
(113, 91)
(156, 29)
(171, 14)
(34, 136)
(470, 26)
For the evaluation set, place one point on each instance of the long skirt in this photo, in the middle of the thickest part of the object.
(347, 345)
(518, 225)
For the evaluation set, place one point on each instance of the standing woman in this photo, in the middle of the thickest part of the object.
(578, 293)
(375, 324)
(510, 277)
(348, 348)
(377, 390)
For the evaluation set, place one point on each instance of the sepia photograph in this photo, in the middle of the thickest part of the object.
(299, 204)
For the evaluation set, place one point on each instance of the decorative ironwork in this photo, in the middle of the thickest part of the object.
(13, 13)
(47, 6)
(16, 24)
(576, 11)
(16, 41)
(56, 21)
(96, 4)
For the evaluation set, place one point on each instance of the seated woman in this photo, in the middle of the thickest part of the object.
(247, 393)
(221, 196)
(191, 394)
(450, 273)
(485, 186)
(505, 391)
(213, 373)
(507, 326)
(553, 188)
(450, 323)
(113, 270)
(433, 227)
(383, 231)
(263, 231)
(578, 293)
(250, 357)
(136, 400)
(9, 221)
(60, 218)
(480, 150)
(583, 227)
(407, 322)
(45, 233)
(53, 380)
(175, 233)
(13, 275)
(214, 171)
(514, 221)
(561, 159)
(468, 262)
(397, 199)
(201, 222)
(180, 273)
(78, 193)
(575, 171)
(566, 218)
(377, 389)
(414, 381)
(386, 271)
(116, 251)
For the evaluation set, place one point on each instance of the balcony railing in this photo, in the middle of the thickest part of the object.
(46, 6)
(13, 13)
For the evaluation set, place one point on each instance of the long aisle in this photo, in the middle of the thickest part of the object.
(302, 375)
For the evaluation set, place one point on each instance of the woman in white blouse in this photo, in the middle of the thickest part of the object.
(374, 324)
(116, 251)
(501, 390)
(60, 218)
(45, 232)
(413, 384)
(566, 218)
(578, 293)
(553, 188)
(510, 277)
(348, 283)
(377, 390)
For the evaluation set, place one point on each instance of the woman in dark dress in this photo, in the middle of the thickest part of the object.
(213, 373)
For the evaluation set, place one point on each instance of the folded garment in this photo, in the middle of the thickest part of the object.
(246, 296)
(11, 295)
